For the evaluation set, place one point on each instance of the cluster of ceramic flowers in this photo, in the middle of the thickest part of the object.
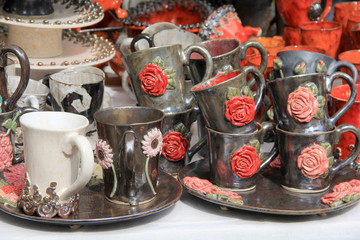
(343, 192)
(11, 189)
(211, 190)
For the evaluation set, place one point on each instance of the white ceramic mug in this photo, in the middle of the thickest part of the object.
(54, 146)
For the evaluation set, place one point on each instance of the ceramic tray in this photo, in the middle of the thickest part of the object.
(269, 196)
(95, 209)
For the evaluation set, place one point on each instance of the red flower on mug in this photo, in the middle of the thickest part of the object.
(174, 146)
(332, 197)
(201, 185)
(302, 105)
(240, 110)
(153, 80)
(313, 161)
(245, 162)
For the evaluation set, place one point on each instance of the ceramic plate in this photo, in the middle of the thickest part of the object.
(67, 14)
(95, 209)
(269, 196)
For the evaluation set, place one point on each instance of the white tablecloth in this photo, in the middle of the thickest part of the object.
(193, 218)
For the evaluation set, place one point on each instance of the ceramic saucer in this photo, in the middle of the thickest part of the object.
(95, 209)
(268, 196)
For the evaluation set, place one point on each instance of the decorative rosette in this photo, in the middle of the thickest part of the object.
(240, 106)
(300, 68)
(156, 77)
(321, 67)
(212, 191)
(104, 154)
(342, 193)
(304, 103)
(314, 161)
(246, 161)
(176, 143)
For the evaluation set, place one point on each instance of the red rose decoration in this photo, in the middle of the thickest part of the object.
(153, 80)
(245, 162)
(240, 110)
(198, 184)
(332, 197)
(302, 105)
(313, 161)
(174, 146)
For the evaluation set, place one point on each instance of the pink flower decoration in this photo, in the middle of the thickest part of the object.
(302, 105)
(6, 151)
(12, 197)
(332, 197)
(152, 143)
(240, 110)
(341, 190)
(313, 161)
(104, 154)
(201, 185)
(16, 175)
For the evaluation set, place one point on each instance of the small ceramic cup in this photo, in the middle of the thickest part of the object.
(297, 62)
(77, 90)
(227, 103)
(322, 34)
(338, 98)
(59, 162)
(236, 159)
(35, 94)
(226, 55)
(353, 57)
(307, 159)
(300, 102)
(128, 149)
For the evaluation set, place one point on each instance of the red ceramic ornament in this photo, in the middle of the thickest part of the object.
(113, 5)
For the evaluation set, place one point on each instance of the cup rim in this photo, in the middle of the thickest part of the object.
(202, 44)
(128, 107)
(147, 50)
(318, 50)
(296, 77)
(236, 134)
(59, 80)
(305, 134)
(349, 52)
(346, 6)
(336, 26)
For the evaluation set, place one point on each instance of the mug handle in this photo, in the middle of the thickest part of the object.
(260, 84)
(128, 143)
(350, 66)
(354, 153)
(258, 46)
(140, 36)
(327, 10)
(10, 103)
(206, 55)
(267, 127)
(86, 162)
(329, 82)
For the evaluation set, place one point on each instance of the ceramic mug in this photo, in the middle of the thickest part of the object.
(128, 149)
(293, 13)
(338, 97)
(236, 159)
(227, 103)
(59, 162)
(157, 75)
(307, 159)
(35, 94)
(322, 34)
(226, 55)
(296, 62)
(77, 90)
(300, 102)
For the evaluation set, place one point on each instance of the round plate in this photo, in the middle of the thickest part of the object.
(95, 209)
(268, 196)
(67, 14)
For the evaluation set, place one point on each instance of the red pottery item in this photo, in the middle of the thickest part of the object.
(355, 35)
(291, 35)
(113, 5)
(342, 12)
(352, 22)
(303, 48)
(295, 12)
(324, 34)
(339, 95)
(256, 60)
(271, 44)
(352, 56)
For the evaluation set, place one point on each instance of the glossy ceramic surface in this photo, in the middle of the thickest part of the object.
(353, 57)
(94, 209)
(269, 197)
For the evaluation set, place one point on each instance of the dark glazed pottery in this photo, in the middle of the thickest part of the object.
(226, 56)
(231, 164)
(307, 160)
(29, 7)
(296, 62)
(300, 102)
(129, 134)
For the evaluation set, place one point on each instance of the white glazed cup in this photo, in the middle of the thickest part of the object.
(54, 146)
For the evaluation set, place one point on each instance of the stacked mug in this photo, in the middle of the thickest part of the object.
(306, 134)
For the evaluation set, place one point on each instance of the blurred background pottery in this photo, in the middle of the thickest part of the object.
(271, 44)
(352, 56)
(29, 8)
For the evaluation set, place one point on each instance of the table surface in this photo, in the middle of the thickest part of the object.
(193, 218)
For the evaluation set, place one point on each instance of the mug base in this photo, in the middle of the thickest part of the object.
(126, 203)
(298, 190)
(238, 189)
